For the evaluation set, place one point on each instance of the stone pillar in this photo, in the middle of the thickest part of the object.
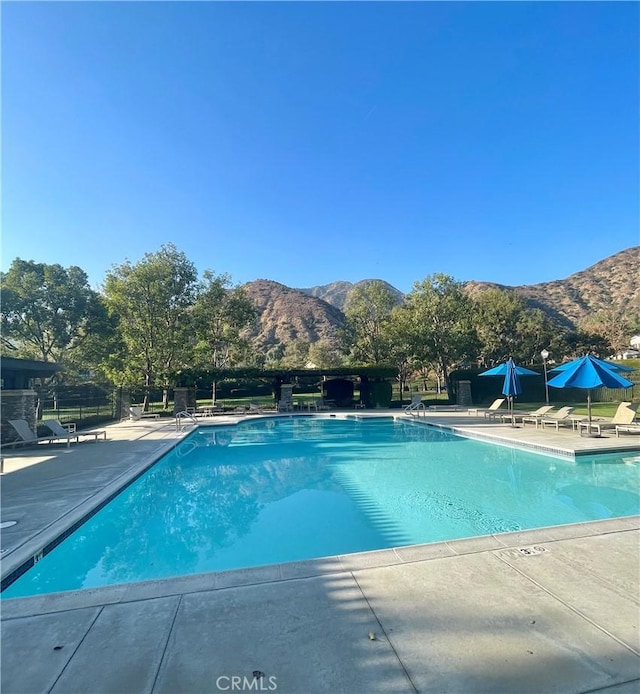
(286, 394)
(183, 398)
(123, 403)
(464, 394)
(17, 404)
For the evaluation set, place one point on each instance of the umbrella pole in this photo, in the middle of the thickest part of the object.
(589, 414)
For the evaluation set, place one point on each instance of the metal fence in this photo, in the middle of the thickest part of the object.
(80, 404)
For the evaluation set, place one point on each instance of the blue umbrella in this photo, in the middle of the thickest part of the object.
(606, 364)
(503, 369)
(511, 372)
(588, 373)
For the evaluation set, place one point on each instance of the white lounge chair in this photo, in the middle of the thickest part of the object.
(27, 436)
(136, 413)
(561, 417)
(534, 416)
(624, 416)
(495, 405)
(57, 429)
(627, 429)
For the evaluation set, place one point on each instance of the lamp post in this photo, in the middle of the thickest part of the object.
(545, 355)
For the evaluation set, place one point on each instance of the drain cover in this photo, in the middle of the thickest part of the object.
(7, 524)
(523, 551)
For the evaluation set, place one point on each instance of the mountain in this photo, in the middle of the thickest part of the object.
(286, 314)
(315, 313)
(610, 283)
(337, 293)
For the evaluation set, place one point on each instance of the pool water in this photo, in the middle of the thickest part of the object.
(284, 489)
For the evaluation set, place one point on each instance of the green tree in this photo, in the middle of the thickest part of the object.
(324, 355)
(398, 332)
(152, 301)
(577, 343)
(615, 329)
(220, 313)
(48, 312)
(439, 323)
(367, 310)
(296, 355)
(506, 327)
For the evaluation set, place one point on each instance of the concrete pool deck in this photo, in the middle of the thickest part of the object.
(549, 610)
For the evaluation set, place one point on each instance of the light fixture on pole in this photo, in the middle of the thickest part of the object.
(545, 355)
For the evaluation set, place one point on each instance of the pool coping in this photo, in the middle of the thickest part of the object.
(24, 556)
(512, 545)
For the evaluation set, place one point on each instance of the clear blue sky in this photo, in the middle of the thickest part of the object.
(314, 142)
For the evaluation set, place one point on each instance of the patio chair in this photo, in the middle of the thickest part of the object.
(627, 429)
(136, 413)
(535, 415)
(28, 436)
(57, 429)
(254, 408)
(495, 405)
(624, 415)
(561, 417)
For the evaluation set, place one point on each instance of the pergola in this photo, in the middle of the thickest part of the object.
(280, 376)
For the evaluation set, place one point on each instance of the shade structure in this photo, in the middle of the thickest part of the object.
(606, 364)
(588, 373)
(511, 372)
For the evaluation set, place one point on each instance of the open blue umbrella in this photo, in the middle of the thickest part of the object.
(511, 372)
(588, 372)
(606, 364)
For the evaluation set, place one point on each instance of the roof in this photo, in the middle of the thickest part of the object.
(16, 373)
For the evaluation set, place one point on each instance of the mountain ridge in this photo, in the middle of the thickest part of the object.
(316, 313)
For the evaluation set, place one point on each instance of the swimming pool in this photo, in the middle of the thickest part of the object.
(283, 489)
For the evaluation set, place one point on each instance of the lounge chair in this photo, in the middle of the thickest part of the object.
(57, 429)
(624, 416)
(562, 416)
(136, 413)
(535, 415)
(627, 429)
(495, 405)
(415, 404)
(28, 436)
(254, 408)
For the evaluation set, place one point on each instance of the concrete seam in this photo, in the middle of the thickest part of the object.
(166, 645)
(382, 629)
(77, 648)
(609, 687)
(570, 607)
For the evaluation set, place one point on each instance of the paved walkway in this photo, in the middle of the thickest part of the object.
(550, 610)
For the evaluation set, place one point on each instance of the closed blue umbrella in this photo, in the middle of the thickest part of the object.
(588, 372)
(511, 372)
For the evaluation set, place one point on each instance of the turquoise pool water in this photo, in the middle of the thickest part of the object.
(284, 489)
